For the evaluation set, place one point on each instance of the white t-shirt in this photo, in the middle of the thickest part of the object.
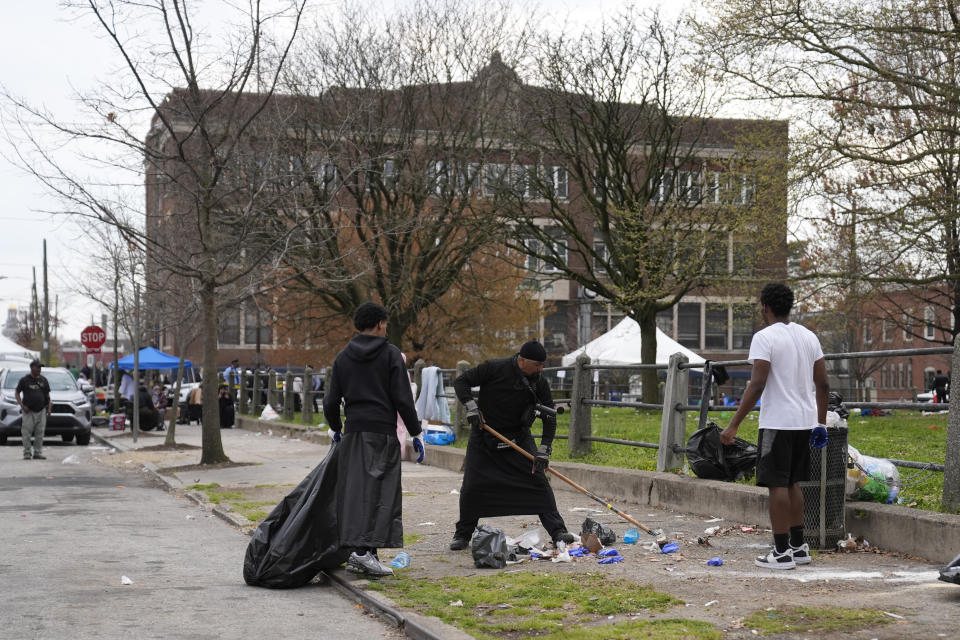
(789, 399)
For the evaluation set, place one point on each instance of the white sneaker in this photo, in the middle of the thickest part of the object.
(367, 564)
(801, 554)
(774, 560)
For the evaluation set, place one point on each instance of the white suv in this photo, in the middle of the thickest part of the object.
(70, 417)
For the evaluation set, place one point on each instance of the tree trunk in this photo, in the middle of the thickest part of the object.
(648, 355)
(212, 444)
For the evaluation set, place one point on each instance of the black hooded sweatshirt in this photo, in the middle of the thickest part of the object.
(371, 378)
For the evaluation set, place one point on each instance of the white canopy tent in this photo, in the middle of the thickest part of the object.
(11, 351)
(621, 345)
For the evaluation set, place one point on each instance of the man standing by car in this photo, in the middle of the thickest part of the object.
(33, 396)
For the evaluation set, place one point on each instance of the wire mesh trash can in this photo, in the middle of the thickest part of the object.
(824, 492)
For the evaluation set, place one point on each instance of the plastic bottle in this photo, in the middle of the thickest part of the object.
(631, 536)
(401, 560)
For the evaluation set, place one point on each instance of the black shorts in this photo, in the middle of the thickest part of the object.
(784, 457)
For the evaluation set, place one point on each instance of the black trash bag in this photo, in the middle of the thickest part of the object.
(300, 537)
(951, 572)
(712, 460)
(835, 404)
(604, 533)
(489, 547)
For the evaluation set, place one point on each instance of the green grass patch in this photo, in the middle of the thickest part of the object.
(411, 539)
(904, 435)
(549, 605)
(814, 620)
(252, 511)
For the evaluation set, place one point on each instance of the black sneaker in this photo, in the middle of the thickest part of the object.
(459, 544)
(801, 554)
(774, 560)
(39, 456)
(565, 537)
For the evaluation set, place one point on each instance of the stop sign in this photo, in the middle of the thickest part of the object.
(93, 337)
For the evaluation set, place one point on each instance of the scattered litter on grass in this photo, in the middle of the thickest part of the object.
(456, 603)
(608, 552)
(893, 615)
(127, 461)
(715, 562)
(427, 524)
(454, 492)
(125, 580)
(653, 546)
(747, 529)
(610, 560)
(191, 517)
(563, 556)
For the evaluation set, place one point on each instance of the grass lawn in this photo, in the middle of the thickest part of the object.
(904, 435)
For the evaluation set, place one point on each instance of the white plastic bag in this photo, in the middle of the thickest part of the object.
(269, 413)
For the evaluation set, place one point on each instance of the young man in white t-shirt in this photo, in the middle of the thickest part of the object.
(790, 376)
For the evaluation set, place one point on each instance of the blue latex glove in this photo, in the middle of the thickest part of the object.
(818, 437)
(418, 447)
(336, 436)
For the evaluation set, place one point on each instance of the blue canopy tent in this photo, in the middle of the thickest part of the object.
(151, 358)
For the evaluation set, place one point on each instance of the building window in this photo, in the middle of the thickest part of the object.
(743, 317)
(525, 180)
(665, 321)
(688, 186)
(715, 326)
(229, 330)
(909, 373)
(557, 178)
(883, 377)
(744, 259)
(867, 333)
(908, 326)
(252, 318)
(601, 254)
(494, 177)
(900, 381)
(688, 324)
(716, 258)
(929, 330)
(662, 189)
(886, 333)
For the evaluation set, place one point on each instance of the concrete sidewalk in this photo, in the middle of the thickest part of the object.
(898, 584)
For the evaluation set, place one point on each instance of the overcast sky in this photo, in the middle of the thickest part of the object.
(46, 57)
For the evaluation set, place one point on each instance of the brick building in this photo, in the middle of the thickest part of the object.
(715, 319)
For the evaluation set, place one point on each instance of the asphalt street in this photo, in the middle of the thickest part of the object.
(72, 532)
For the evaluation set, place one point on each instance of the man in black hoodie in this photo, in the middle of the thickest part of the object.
(369, 376)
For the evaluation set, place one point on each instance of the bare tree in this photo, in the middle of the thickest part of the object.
(622, 182)
(207, 90)
(394, 134)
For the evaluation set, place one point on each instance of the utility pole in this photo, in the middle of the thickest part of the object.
(46, 310)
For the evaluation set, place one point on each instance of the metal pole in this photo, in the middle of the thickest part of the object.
(46, 310)
(136, 360)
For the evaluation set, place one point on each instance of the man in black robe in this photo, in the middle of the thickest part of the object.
(498, 481)
(369, 375)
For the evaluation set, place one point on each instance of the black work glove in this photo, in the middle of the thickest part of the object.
(541, 459)
(473, 415)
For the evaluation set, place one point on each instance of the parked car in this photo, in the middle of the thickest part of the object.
(70, 417)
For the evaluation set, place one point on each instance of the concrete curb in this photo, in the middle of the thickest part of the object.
(924, 534)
